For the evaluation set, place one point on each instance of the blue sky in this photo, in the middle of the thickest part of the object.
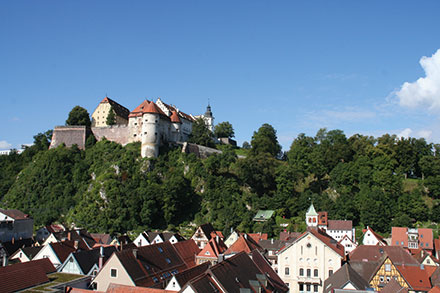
(297, 65)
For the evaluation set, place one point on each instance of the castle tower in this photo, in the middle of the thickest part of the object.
(150, 131)
(176, 123)
(311, 217)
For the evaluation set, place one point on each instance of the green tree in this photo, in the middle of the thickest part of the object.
(78, 116)
(224, 129)
(265, 141)
(201, 134)
(111, 117)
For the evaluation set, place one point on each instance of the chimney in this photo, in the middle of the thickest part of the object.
(76, 244)
(217, 239)
(13, 240)
(69, 236)
(271, 241)
(4, 260)
(221, 257)
(101, 258)
(135, 253)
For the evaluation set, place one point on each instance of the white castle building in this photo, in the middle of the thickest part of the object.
(151, 123)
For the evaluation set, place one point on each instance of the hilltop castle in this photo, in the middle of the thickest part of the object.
(151, 123)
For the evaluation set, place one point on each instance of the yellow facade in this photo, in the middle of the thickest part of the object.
(386, 272)
(99, 116)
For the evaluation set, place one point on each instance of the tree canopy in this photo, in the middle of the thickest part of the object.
(265, 141)
(111, 117)
(224, 129)
(201, 134)
(78, 116)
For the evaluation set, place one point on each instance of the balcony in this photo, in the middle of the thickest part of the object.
(309, 280)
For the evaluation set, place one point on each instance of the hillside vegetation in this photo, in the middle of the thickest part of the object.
(378, 182)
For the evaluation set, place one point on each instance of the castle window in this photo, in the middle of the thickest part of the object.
(286, 271)
(155, 133)
(315, 272)
(146, 120)
(301, 272)
(135, 123)
(134, 135)
(145, 132)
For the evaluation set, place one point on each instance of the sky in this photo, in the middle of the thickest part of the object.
(367, 67)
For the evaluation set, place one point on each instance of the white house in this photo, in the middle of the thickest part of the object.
(305, 263)
(372, 238)
(15, 224)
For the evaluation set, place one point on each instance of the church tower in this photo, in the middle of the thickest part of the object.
(312, 217)
(209, 119)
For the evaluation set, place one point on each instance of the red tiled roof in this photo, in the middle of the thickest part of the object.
(435, 289)
(213, 248)
(374, 253)
(15, 214)
(118, 108)
(329, 241)
(24, 275)
(147, 107)
(340, 225)
(399, 235)
(187, 250)
(243, 244)
(175, 117)
(285, 236)
(416, 277)
(258, 236)
(393, 287)
(117, 288)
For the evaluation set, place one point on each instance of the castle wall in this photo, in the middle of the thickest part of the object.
(116, 133)
(69, 135)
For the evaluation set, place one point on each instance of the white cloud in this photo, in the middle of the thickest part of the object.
(405, 133)
(426, 90)
(5, 145)
(426, 134)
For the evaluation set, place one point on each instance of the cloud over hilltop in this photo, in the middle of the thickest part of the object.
(426, 90)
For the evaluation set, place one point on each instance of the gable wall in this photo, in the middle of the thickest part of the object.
(393, 273)
(103, 279)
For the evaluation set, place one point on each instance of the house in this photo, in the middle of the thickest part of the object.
(204, 233)
(244, 244)
(345, 278)
(7, 249)
(237, 274)
(101, 239)
(337, 229)
(348, 243)
(15, 224)
(25, 275)
(263, 215)
(147, 238)
(412, 277)
(26, 253)
(394, 287)
(80, 235)
(99, 116)
(87, 262)
(145, 266)
(413, 238)
(235, 235)
(271, 247)
(212, 251)
(305, 263)
(180, 279)
(58, 252)
(44, 232)
(372, 238)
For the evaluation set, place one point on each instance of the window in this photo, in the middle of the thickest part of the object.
(286, 271)
(160, 249)
(301, 287)
(301, 249)
(309, 272)
(113, 273)
(315, 288)
(168, 260)
(397, 242)
(381, 279)
(388, 278)
(301, 272)
(315, 272)
(308, 286)
(330, 272)
(316, 250)
(387, 267)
